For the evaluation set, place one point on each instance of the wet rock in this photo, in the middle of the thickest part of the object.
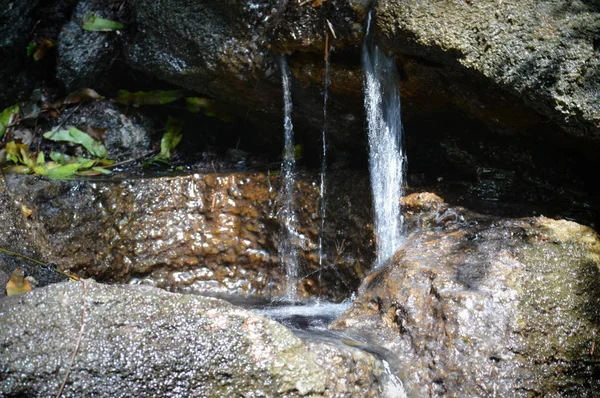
(168, 345)
(14, 35)
(543, 53)
(481, 306)
(215, 233)
(229, 51)
(24, 235)
(84, 56)
(125, 134)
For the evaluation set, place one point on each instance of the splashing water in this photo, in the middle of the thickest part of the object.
(386, 160)
(287, 217)
(323, 207)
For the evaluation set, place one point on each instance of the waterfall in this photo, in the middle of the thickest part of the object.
(386, 160)
(287, 217)
(323, 206)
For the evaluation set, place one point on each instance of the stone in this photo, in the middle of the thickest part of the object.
(24, 235)
(16, 25)
(85, 56)
(212, 233)
(477, 305)
(127, 134)
(142, 341)
(544, 53)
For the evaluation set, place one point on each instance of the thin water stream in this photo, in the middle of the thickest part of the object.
(287, 216)
(323, 206)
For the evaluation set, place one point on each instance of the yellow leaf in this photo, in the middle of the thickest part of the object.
(27, 212)
(17, 283)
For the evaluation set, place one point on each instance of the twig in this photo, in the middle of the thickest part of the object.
(331, 29)
(66, 119)
(130, 160)
(326, 56)
(83, 311)
(38, 262)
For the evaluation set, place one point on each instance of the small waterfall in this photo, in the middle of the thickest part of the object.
(386, 160)
(287, 217)
(323, 206)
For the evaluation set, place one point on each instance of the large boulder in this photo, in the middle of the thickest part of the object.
(141, 341)
(14, 34)
(230, 51)
(215, 233)
(475, 305)
(541, 54)
(85, 56)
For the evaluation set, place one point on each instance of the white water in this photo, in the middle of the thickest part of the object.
(386, 160)
(323, 207)
(287, 217)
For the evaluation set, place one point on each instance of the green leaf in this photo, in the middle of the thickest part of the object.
(196, 104)
(31, 47)
(8, 116)
(93, 23)
(78, 137)
(40, 170)
(41, 159)
(157, 97)
(170, 139)
(101, 170)
(64, 171)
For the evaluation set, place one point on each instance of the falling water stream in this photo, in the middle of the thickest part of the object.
(323, 206)
(386, 160)
(287, 216)
(382, 104)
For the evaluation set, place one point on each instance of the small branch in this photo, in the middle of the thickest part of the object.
(130, 160)
(83, 311)
(331, 28)
(326, 56)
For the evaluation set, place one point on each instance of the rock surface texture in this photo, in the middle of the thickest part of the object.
(480, 306)
(543, 52)
(215, 233)
(140, 341)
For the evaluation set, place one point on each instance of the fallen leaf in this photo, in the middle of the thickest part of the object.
(8, 116)
(27, 212)
(77, 136)
(157, 97)
(17, 283)
(171, 138)
(317, 3)
(93, 23)
(42, 49)
(60, 172)
(82, 94)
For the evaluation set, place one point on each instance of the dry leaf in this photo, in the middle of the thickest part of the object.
(42, 49)
(27, 212)
(82, 94)
(17, 283)
(317, 3)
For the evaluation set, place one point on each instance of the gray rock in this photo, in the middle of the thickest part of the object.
(144, 342)
(481, 306)
(84, 56)
(14, 35)
(228, 51)
(127, 135)
(545, 53)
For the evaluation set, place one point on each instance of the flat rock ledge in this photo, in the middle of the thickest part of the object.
(144, 342)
